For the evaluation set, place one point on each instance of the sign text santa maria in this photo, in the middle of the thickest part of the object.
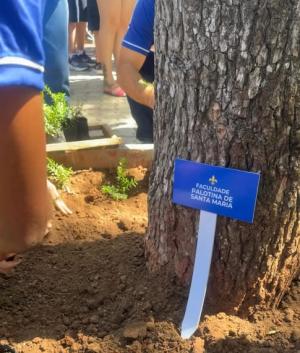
(223, 191)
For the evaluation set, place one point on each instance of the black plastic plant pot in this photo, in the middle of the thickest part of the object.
(77, 130)
(70, 131)
(82, 129)
(55, 139)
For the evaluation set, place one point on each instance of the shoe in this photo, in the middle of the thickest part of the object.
(115, 91)
(98, 67)
(87, 59)
(76, 63)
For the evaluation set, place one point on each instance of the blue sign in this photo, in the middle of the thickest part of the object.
(223, 191)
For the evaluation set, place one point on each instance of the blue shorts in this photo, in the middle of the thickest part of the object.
(93, 15)
(77, 11)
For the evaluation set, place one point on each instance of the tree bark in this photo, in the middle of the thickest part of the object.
(228, 76)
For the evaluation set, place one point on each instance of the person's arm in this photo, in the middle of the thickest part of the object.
(23, 193)
(135, 47)
(24, 203)
(130, 79)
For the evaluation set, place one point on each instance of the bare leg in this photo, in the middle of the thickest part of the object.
(110, 11)
(97, 38)
(72, 37)
(80, 35)
(126, 13)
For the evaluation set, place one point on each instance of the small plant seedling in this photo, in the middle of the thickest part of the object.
(58, 174)
(76, 111)
(56, 112)
(113, 192)
(123, 185)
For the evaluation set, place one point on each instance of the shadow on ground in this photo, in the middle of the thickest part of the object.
(94, 288)
(243, 345)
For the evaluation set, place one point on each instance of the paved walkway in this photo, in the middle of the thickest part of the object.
(99, 108)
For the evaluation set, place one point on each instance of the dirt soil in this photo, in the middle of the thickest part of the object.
(86, 289)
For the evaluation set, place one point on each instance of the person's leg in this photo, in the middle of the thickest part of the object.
(73, 18)
(126, 13)
(110, 12)
(56, 46)
(75, 13)
(81, 25)
(80, 36)
(94, 25)
(127, 10)
(72, 38)
(98, 56)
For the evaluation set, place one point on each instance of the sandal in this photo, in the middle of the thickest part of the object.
(115, 91)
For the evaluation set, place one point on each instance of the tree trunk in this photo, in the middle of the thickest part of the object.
(228, 76)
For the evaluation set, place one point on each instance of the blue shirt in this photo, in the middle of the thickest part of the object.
(140, 35)
(21, 51)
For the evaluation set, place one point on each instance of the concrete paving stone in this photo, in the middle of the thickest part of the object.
(87, 89)
(99, 108)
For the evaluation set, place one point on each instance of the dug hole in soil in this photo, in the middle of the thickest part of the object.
(86, 289)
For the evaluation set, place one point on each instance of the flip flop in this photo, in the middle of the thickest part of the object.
(115, 91)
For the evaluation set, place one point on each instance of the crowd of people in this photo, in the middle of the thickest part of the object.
(39, 41)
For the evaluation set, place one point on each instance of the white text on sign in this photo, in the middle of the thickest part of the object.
(212, 195)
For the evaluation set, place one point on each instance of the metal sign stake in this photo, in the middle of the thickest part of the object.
(215, 191)
(205, 243)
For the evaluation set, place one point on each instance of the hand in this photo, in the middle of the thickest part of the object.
(150, 97)
(9, 262)
(57, 200)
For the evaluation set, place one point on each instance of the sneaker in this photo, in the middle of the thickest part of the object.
(98, 67)
(87, 59)
(76, 63)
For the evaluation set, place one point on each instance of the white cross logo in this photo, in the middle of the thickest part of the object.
(213, 180)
